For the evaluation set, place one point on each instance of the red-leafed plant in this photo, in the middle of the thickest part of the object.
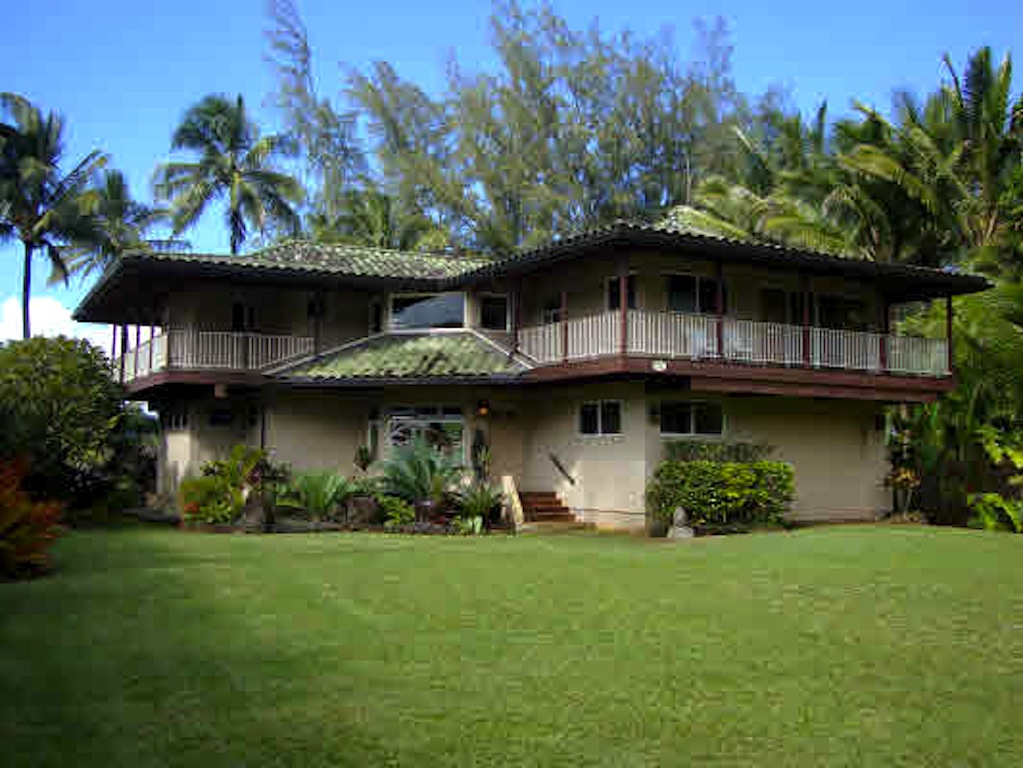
(27, 527)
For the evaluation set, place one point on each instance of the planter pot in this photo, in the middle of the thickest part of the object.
(363, 510)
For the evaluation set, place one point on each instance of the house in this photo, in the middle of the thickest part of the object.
(572, 362)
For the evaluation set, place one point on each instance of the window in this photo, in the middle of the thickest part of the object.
(243, 317)
(494, 312)
(442, 310)
(550, 310)
(441, 427)
(695, 294)
(603, 417)
(614, 292)
(174, 417)
(689, 418)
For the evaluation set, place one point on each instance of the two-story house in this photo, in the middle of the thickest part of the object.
(571, 363)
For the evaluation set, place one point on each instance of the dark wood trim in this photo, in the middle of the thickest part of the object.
(564, 326)
(737, 377)
(163, 378)
(152, 337)
(623, 305)
(948, 331)
(883, 341)
(138, 343)
(124, 348)
(804, 283)
(516, 313)
(719, 305)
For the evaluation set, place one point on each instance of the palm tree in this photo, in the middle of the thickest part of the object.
(373, 218)
(234, 162)
(121, 226)
(40, 206)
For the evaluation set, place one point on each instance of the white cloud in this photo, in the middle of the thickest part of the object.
(49, 318)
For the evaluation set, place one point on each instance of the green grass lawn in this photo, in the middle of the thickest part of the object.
(838, 646)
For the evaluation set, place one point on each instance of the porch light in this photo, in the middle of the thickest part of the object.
(482, 407)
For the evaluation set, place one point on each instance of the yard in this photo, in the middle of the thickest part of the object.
(842, 646)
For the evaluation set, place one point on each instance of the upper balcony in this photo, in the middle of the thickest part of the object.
(664, 336)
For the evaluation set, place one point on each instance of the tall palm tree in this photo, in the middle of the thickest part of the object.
(121, 225)
(370, 217)
(42, 207)
(235, 162)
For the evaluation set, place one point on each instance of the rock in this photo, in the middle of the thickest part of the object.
(680, 526)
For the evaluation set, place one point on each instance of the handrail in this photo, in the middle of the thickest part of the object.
(560, 467)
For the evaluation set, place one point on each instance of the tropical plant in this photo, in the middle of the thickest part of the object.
(369, 217)
(27, 527)
(121, 225)
(318, 494)
(420, 474)
(220, 493)
(235, 162)
(40, 205)
(480, 500)
(396, 512)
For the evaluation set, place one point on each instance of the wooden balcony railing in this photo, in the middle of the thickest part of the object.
(191, 350)
(675, 335)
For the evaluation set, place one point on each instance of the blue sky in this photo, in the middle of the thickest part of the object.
(122, 73)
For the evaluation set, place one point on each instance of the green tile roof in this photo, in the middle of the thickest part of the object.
(405, 356)
(338, 259)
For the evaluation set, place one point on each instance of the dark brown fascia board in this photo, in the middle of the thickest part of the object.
(362, 382)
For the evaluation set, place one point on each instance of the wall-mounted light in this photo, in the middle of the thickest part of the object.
(482, 408)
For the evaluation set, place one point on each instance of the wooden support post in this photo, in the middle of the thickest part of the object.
(318, 304)
(124, 349)
(623, 306)
(805, 285)
(948, 330)
(152, 336)
(113, 343)
(719, 306)
(885, 311)
(564, 326)
(138, 342)
(516, 313)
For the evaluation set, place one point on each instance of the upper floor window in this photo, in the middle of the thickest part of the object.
(614, 292)
(494, 312)
(436, 310)
(689, 418)
(695, 293)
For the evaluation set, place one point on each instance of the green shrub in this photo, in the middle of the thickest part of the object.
(480, 499)
(420, 473)
(27, 527)
(396, 512)
(721, 493)
(706, 450)
(994, 512)
(318, 494)
(60, 410)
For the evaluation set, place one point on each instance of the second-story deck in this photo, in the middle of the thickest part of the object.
(681, 336)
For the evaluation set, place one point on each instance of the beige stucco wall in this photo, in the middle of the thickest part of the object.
(836, 448)
(609, 471)
(315, 430)
(585, 282)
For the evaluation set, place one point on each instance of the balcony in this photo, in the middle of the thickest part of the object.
(677, 336)
(192, 350)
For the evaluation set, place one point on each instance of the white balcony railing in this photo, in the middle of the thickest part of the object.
(185, 349)
(675, 335)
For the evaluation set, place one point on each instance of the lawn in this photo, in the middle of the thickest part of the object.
(839, 646)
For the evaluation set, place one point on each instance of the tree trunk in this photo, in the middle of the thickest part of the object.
(26, 292)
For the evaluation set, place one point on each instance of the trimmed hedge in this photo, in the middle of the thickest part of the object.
(721, 493)
(708, 450)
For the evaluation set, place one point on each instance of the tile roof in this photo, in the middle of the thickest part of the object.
(337, 259)
(457, 355)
